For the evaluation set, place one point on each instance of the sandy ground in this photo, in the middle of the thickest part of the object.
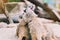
(8, 34)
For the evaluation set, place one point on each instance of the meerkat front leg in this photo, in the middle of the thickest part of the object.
(33, 36)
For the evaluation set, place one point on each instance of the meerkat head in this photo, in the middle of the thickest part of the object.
(29, 15)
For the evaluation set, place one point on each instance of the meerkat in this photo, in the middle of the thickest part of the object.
(22, 31)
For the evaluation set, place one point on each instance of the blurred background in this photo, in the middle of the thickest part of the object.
(55, 3)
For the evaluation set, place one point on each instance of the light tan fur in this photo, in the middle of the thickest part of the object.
(22, 31)
(38, 30)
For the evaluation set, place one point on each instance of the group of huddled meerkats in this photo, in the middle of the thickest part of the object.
(32, 27)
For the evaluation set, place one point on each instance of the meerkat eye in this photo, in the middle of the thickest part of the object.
(24, 10)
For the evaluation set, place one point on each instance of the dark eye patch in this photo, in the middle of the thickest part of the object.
(20, 17)
(25, 10)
